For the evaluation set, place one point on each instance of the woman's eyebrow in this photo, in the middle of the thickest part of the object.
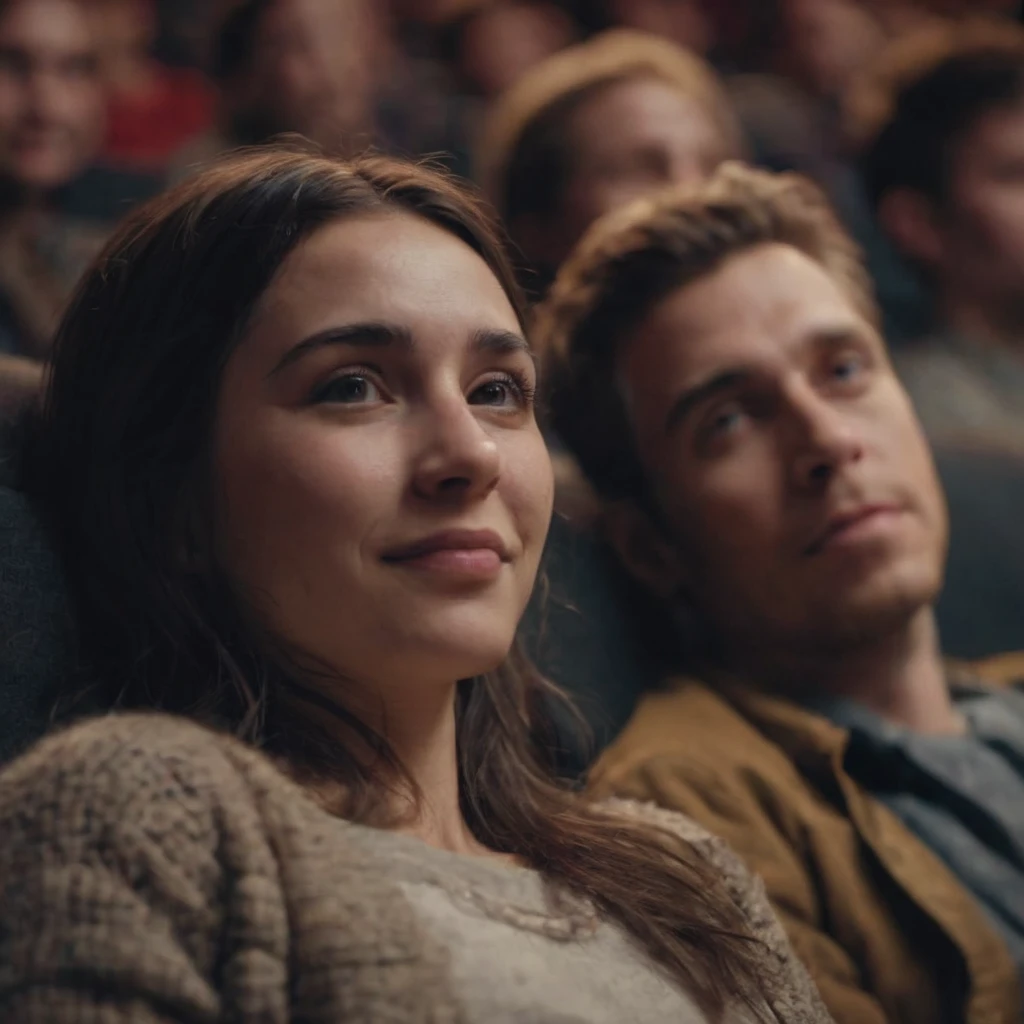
(370, 334)
(501, 342)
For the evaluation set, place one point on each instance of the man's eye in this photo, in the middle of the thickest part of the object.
(725, 421)
(847, 367)
(349, 389)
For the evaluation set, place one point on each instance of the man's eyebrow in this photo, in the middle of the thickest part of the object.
(691, 398)
(834, 337)
(371, 334)
(500, 342)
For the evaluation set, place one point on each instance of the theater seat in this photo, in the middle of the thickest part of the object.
(981, 610)
(585, 631)
(35, 625)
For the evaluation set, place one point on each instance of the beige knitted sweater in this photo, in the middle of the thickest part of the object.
(152, 871)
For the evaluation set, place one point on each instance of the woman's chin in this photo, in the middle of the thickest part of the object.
(451, 655)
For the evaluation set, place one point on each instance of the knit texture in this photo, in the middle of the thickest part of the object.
(152, 871)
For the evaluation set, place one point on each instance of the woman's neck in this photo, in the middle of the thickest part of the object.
(420, 730)
(422, 735)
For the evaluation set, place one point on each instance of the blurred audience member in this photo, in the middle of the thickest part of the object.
(302, 66)
(153, 110)
(718, 371)
(808, 53)
(51, 127)
(943, 127)
(826, 43)
(685, 22)
(901, 16)
(593, 127)
(493, 45)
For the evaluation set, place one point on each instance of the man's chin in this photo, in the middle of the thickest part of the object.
(874, 610)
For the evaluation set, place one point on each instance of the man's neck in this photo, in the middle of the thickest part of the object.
(899, 676)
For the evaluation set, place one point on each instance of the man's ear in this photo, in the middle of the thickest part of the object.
(909, 219)
(644, 549)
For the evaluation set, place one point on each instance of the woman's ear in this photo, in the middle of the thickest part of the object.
(644, 549)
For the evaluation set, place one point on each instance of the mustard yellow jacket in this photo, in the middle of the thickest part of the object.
(888, 933)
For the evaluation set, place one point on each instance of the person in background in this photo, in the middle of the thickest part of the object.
(941, 130)
(494, 43)
(687, 23)
(309, 67)
(718, 371)
(51, 128)
(152, 110)
(591, 128)
(940, 124)
(290, 459)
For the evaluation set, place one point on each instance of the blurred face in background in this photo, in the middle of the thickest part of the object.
(51, 103)
(507, 39)
(828, 42)
(683, 21)
(123, 29)
(801, 508)
(312, 71)
(979, 230)
(628, 139)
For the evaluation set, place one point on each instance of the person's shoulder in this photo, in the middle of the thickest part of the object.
(787, 985)
(686, 722)
(119, 765)
(648, 814)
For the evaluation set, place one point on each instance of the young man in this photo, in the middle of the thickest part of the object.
(719, 374)
(290, 66)
(593, 127)
(942, 131)
(942, 121)
(51, 128)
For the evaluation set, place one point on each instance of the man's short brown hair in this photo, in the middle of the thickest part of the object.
(522, 162)
(632, 259)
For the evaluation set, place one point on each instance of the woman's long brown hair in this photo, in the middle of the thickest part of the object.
(120, 473)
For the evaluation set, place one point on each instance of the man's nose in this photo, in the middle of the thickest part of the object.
(825, 438)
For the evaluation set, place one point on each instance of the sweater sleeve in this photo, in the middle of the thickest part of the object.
(786, 985)
(112, 877)
(734, 815)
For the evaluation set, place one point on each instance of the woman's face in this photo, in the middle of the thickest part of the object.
(382, 488)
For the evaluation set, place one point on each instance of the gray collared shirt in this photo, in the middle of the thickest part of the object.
(963, 796)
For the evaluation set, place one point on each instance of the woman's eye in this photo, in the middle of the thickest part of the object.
(502, 392)
(349, 389)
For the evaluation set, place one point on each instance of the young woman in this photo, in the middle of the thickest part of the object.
(290, 459)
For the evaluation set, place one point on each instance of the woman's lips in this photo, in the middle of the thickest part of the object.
(470, 554)
(477, 563)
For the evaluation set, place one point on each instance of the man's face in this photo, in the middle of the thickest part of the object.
(981, 224)
(789, 468)
(312, 70)
(51, 105)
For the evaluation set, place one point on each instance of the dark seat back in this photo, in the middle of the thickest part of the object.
(36, 637)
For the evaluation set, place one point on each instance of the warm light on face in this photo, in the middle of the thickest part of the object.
(384, 489)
